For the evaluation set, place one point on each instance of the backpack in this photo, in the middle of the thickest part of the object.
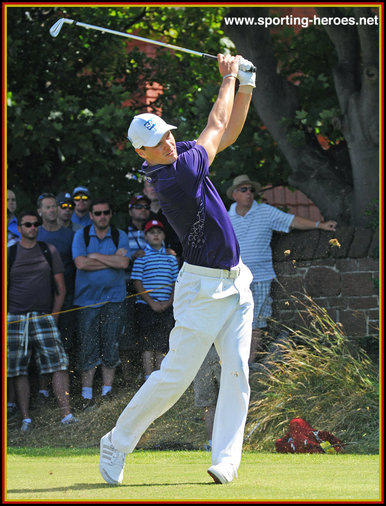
(113, 230)
(47, 254)
(302, 438)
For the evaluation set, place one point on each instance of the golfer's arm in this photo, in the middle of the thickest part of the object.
(218, 119)
(238, 117)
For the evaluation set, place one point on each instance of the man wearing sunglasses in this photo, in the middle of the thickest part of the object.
(254, 225)
(66, 208)
(82, 199)
(52, 232)
(100, 291)
(32, 318)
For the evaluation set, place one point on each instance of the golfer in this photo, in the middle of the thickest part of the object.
(212, 302)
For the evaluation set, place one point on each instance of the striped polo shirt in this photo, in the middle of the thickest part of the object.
(158, 271)
(254, 233)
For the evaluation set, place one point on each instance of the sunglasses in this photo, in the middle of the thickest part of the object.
(244, 189)
(30, 224)
(99, 213)
(140, 206)
(81, 197)
(66, 205)
(46, 196)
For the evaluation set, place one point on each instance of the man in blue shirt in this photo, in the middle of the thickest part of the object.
(81, 215)
(101, 254)
(213, 302)
(52, 233)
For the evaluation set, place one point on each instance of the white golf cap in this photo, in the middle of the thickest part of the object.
(147, 130)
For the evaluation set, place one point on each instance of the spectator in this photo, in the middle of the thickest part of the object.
(61, 237)
(171, 239)
(35, 272)
(139, 215)
(206, 386)
(139, 212)
(101, 255)
(156, 271)
(81, 217)
(65, 209)
(13, 235)
(254, 224)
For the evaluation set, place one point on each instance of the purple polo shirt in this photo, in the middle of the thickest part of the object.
(194, 209)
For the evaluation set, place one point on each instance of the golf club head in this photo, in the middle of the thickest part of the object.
(55, 29)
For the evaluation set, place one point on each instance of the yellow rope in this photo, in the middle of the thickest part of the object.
(83, 307)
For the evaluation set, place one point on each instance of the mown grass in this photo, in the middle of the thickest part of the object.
(71, 475)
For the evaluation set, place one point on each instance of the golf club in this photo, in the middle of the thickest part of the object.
(55, 29)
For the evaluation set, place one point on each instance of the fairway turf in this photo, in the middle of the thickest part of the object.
(72, 475)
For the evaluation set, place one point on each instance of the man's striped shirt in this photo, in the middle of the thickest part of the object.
(254, 233)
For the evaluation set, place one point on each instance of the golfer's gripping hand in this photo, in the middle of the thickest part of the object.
(246, 77)
(228, 64)
(237, 66)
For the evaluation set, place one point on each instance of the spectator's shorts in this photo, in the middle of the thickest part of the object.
(207, 381)
(263, 303)
(39, 333)
(154, 328)
(99, 330)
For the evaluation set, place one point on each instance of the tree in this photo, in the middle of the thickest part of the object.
(70, 99)
(342, 180)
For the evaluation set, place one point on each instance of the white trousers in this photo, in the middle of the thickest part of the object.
(206, 309)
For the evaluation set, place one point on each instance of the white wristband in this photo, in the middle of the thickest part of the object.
(317, 224)
(229, 75)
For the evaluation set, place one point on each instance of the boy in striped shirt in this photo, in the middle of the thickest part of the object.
(154, 276)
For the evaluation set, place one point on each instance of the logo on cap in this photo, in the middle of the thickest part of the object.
(153, 224)
(150, 124)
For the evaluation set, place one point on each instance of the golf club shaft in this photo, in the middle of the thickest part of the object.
(55, 29)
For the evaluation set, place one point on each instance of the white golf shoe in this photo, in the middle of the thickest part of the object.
(222, 473)
(111, 462)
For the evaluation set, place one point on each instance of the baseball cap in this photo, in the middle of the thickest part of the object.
(147, 130)
(63, 197)
(153, 223)
(81, 189)
(137, 198)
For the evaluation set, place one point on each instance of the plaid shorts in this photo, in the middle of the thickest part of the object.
(263, 303)
(26, 333)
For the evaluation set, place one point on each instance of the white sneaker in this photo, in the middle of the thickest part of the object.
(222, 473)
(111, 462)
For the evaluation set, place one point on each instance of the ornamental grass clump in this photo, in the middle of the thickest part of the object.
(319, 374)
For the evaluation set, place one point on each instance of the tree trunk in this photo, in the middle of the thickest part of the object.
(341, 186)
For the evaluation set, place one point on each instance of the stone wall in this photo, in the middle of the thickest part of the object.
(338, 270)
